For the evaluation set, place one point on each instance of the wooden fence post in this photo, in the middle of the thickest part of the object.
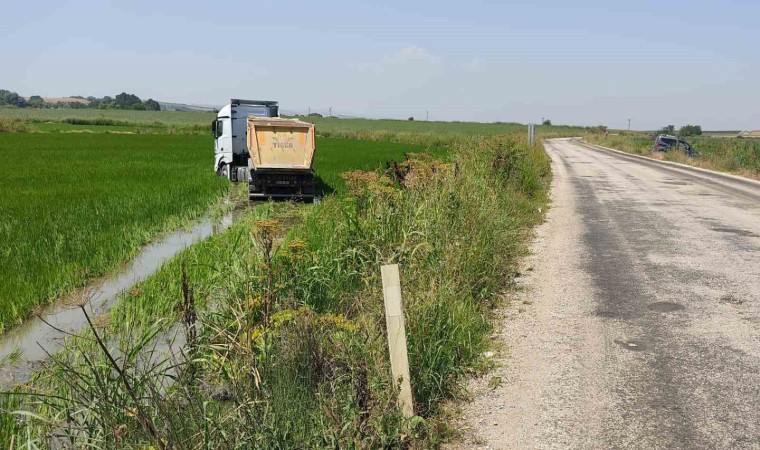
(394, 320)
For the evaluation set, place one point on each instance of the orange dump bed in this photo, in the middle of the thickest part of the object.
(277, 143)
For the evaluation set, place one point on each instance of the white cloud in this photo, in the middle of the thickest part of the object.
(477, 64)
(413, 53)
(409, 55)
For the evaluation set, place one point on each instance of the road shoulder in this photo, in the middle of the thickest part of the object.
(546, 334)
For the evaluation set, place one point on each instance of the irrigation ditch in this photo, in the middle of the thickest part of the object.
(25, 347)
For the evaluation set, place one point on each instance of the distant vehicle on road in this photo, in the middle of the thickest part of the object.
(665, 142)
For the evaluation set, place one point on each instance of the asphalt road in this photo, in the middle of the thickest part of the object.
(643, 324)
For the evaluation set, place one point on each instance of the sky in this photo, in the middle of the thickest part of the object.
(574, 62)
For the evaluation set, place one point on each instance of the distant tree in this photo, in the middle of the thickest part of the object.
(11, 98)
(670, 129)
(103, 103)
(151, 105)
(315, 114)
(547, 122)
(127, 101)
(411, 119)
(35, 101)
(690, 130)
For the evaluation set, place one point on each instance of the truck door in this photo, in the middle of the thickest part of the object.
(222, 142)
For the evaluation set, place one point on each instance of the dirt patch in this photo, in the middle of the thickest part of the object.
(664, 307)
(83, 101)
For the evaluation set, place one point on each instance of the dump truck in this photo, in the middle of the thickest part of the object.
(273, 155)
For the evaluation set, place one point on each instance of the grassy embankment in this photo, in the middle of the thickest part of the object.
(292, 353)
(739, 156)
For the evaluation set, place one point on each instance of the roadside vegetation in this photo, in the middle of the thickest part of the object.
(725, 154)
(281, 315)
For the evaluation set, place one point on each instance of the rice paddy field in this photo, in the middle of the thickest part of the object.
(77, 205)
(280, 316)
(93, 115)
(198, 122)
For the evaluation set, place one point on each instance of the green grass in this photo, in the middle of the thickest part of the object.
(427, 133)
(335, 125)
(317, 376)
(337, 155)
(198, 122)
(133, 117)
(60, 127)
(741, 156)
(77, 205)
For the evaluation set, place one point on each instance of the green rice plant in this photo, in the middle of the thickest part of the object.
(76, 206)
(109, 116)
(291, 347)
(93, 200)
(436, 133)
(440, 132)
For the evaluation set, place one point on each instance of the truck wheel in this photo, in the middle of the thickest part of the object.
(224, 171)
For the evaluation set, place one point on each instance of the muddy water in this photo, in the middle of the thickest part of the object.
(44, 335)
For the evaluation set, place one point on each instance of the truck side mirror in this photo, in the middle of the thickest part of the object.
(213, 128)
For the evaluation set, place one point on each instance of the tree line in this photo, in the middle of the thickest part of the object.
(686, 130)
(121, 101)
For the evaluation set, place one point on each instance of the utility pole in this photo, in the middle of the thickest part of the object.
(629, 124)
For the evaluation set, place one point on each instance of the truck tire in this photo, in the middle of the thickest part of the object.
(224, 171)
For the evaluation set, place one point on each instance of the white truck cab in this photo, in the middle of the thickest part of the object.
(229, 129)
